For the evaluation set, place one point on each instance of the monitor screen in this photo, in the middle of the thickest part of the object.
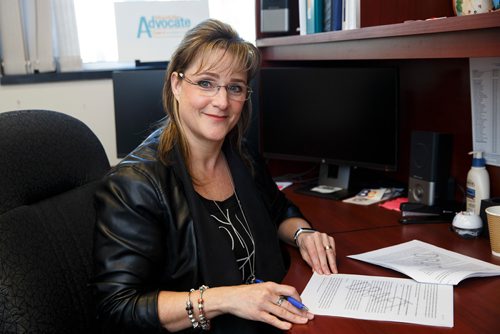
(138, 106)
(335, 115)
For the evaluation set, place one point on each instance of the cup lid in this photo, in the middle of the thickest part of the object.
(493, 210)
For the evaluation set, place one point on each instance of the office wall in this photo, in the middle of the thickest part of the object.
(90, 101)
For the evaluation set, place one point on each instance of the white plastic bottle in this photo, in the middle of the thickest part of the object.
(478, 183)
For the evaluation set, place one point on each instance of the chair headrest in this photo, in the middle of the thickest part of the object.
(44, 153)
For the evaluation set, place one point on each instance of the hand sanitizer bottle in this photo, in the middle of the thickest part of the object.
(478, 183)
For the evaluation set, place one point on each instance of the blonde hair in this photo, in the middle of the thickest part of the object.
(199, 43)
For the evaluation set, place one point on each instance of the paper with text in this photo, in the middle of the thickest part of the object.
(427, 263)
(380, 298)
(485, 100)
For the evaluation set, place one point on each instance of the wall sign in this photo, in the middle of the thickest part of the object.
(150, 31)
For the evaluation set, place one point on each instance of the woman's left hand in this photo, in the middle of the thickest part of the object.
(318, 250)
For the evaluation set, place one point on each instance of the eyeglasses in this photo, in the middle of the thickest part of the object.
(235, 91)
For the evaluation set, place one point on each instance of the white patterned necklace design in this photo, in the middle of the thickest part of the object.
(249, 260)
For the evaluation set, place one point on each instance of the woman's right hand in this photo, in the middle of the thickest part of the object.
(257, 302)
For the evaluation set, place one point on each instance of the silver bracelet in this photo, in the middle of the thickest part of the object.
(300, 231)
(189, 310)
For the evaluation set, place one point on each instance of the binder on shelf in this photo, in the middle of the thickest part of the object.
(314, 16)
(336, 14)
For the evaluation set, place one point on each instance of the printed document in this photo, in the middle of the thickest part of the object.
(427, 263)
(485, 99)
(380, 298)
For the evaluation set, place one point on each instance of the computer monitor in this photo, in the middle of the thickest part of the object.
(339, 117)
(138, 106)
(139, 109)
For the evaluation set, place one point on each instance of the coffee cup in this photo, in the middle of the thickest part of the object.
(493, 217)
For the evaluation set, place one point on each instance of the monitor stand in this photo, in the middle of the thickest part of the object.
(333, 183)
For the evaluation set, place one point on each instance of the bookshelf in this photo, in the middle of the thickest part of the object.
(433, 60)
(452, 37)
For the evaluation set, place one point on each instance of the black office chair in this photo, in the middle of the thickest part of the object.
(50, 164)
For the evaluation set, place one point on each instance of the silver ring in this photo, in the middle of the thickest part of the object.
(280, 300)
(327, 247)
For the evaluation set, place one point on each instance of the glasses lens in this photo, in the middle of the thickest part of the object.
(236, 92)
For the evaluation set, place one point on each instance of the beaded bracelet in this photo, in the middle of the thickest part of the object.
(204, 322)
(189, 310)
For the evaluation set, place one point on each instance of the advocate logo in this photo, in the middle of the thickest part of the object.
(162, 26)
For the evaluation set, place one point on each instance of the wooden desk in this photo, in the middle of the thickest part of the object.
(335, 216)
(476, 300)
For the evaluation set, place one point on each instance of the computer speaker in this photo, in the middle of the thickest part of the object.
(430, 161)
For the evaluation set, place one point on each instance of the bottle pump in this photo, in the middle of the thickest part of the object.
(478, 183)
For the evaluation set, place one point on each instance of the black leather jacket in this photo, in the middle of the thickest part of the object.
(153, 234)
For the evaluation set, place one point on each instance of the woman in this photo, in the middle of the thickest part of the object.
(190, 208)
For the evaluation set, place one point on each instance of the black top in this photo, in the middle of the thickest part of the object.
(231, 222)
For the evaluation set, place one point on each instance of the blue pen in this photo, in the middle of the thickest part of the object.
(291, 300)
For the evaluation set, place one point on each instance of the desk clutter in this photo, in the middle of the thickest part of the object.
(361, 229)
(370, 196)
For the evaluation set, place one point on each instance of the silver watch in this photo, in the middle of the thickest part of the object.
(302, 230)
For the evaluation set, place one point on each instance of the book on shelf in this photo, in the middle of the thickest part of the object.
(327, 18)
(336, 14)
(340, 14)
(351, 14)
(314, 16)
(332, 15)
(302, 17)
